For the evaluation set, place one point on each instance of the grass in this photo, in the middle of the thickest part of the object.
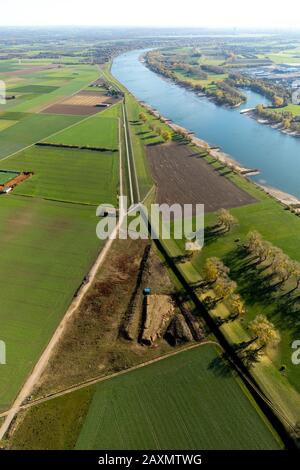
(68, 410)
(7, 176)
(30, 129)
(40, 89)
(97, 131)
(165, 405)
(79, 78)
(280, 227)
(168, 405)
(49, 248)
(291, 108)
(141, 135)
(67, 174)
(208, 82)
(5, 123)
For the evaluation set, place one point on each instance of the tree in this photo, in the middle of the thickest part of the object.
(253, 241)
(152, 126)
(264, 332)
(260, 108)
(224, 287)
(166, 135)
(143, 117)
(256, 246)
(225, 219)
(278, 101)
(214, 268)
(296, 273)
(286, 123)
(283, 267)
(158, 130)
(237, 305)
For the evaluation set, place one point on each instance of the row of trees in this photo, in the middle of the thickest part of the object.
(262, 330)
(216, 273)
(165, 134)
(281, 265)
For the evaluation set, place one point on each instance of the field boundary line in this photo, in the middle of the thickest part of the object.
(64, 96)
(39, 367)
(53, 134)
(99, 379)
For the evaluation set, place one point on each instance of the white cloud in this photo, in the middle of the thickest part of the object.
(228, 13)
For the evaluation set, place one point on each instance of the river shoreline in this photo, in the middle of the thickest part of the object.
(249, 112)
(284, 198)
(227, 133)
(277, 126)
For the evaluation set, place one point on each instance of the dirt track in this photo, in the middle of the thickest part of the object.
(183, 177)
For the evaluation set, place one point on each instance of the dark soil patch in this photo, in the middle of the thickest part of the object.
(183, 177)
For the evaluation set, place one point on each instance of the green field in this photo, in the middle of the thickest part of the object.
(73, 175)
(48, 246)
(5, 123)
(97, 131)
(280, 227)
(7, 176)
(291, 108)
(48, 249)
(40, 89)
(75, 78)
(188, 401)
(30, 129)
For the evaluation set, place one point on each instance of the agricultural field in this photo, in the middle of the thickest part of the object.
(48, 229)
(37, 85)
(98, 131)
(281, 228)
(71, 175)
(49, 247)
(174, 164)
(5, 123)
(29, 129)
(165, 405)
(149, 409)
(6, 176)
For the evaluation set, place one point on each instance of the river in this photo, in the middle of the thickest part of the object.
(254, 145)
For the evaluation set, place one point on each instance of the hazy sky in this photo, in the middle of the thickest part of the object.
(242, 13)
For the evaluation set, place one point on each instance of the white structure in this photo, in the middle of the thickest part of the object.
(296, 96)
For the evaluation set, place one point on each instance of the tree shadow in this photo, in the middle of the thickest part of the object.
(220, 367)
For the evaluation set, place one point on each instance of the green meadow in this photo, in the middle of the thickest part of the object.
(48, 248)
(30, 129)
(72, 175)
(96, 131)
(187, 401)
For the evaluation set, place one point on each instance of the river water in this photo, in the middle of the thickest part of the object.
(255, 145)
